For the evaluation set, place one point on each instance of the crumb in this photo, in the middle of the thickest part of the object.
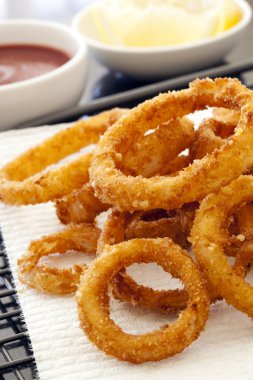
(240, 237)
(238, 131)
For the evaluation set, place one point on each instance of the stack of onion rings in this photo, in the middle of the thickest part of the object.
(140, 169)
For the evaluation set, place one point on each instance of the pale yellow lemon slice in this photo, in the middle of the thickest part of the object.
(161, 23)
(229, 14)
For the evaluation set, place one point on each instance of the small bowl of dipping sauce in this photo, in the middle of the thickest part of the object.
(43, 67)
(22, 62)
(154, 39)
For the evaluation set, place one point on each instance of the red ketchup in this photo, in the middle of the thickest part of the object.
(21, 62)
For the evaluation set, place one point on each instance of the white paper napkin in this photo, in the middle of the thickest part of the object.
(224, 350)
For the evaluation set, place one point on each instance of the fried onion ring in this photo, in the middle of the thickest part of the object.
(152, 153)
(81, 238)
(46, 187)
(81, 206)
(156, 223)
(119, 227)
(93, 301)
(20, 182)
(175, 224)
(208, 242)
(196, 181)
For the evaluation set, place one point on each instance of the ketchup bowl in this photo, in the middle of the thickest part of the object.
(43, 67)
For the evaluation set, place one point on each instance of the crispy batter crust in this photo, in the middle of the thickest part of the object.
(175, 224)
(93, 301)
(20, 181)
(156, 154)
(81, 238)
(123, 226)
(213, 133)
(152, 154)
(138, 168)
(196, 181)
(80, 206)
(208, 243)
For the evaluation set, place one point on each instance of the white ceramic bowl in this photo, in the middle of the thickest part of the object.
(50, 92)
(161, 62)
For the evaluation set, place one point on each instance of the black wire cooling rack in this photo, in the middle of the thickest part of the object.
(16, 356)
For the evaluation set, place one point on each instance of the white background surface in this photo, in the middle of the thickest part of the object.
(62, 352)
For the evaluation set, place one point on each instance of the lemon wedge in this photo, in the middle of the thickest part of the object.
(154, 23)
(229, 14)
(103, 34)
(162, 27)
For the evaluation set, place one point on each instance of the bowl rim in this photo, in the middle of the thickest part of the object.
(80, 54)
(242, 24)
